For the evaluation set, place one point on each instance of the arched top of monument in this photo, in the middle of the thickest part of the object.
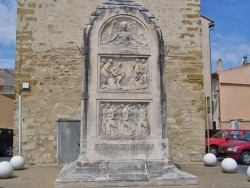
(128, 7)
(123, 31)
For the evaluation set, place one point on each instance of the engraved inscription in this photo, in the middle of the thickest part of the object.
(127, 74)
(124, 119)
(124, 32)
(104, 147)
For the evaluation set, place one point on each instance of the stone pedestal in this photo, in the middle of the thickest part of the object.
(123, 127)
(123, 173)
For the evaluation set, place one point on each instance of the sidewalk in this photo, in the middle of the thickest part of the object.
(44, 176)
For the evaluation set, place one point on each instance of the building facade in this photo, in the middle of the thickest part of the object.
(6, 98)
(49, 57)
(231, 100)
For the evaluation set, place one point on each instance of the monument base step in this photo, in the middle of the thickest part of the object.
(123, 173)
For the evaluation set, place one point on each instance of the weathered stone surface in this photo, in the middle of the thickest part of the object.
(124, 173)
(126, 167)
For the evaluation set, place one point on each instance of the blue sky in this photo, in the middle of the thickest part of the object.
(7, 33)
(230, 39)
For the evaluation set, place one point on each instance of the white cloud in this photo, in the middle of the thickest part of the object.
(218, 36)
(7, 21)
(230, 49)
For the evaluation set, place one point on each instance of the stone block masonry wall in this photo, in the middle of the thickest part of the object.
(48, 58)
(48, 33)
(184, 79)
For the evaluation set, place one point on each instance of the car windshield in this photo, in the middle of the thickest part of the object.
(220, 134)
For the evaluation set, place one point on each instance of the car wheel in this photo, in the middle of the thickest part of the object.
(214, 150)
(245, 157)
(9, 151)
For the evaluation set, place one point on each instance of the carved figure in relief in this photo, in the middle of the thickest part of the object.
(142, 122)
(131, 117)
(119, 117)
(111, 84)
(105, 70)
(104, 118)
(126, 125)
(111, 125)
(116, 70)
(144, 70)
(119, 79)
(138, 77)
(132, 78)
(135, 120)
(111, 76)
(114, 82)
(124, 34)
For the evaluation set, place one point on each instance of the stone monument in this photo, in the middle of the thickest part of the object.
(123, 131)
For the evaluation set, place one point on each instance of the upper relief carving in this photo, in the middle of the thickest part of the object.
(126, 74)
(124, 32)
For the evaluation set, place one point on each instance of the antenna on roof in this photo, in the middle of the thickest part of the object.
(245, 61)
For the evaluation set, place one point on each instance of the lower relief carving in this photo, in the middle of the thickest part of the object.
(124, 119)
(124, 76)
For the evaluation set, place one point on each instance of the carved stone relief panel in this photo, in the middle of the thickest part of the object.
(124, 119)
(124, 31)
(124, 74)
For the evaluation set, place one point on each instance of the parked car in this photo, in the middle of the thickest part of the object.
(224, 136)
(6, 142)
(238, 150)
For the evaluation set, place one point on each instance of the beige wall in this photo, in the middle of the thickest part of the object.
(235, 102)
(242, 125)
(234, 89)
(48, 34)
(6, 112)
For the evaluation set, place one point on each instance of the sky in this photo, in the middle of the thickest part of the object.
(230, 39)
(7, 33)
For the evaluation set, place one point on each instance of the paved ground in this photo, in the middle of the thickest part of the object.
(43, 176)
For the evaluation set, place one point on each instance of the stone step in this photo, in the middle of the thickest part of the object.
(118, 172)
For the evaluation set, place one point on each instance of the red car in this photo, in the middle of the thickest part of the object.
(224, 136)
(238, 150)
